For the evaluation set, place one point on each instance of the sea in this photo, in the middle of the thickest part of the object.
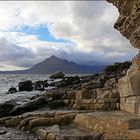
(12, 80)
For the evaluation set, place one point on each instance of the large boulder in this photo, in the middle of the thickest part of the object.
(25, 86)
(58, 75)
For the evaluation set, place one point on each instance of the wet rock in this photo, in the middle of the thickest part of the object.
(58, 75)
(25, 86)
(12, 90)
(39, 87)
(6, 107)
(53, 94)
(67, 81)
(2, 132)
(30, 106)
(56, 104)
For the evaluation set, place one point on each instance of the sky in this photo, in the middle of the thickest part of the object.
(79, 31)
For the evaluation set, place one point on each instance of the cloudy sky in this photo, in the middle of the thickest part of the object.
(78, 31)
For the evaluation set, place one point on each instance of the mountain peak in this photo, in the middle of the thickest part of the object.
(53, 56)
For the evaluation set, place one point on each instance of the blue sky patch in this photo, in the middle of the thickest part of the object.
(42, 32)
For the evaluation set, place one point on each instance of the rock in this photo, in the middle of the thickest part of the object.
(67, 81)
(4, 119)
(54, 104)
(41, 122)
(53, 94)
(65, 119)
(15, 121)
(129, 86)
(117, 69)
(130, 104)
(111, 83)
(39, 87)
(2, 132)
(128, 21)
(25, 86)
(25, 121)
(86, 94)
(97, 99)
(58, 75)
(42, 133)
(30, 106)
(6, 107)
(51, 136)
(69, 95)
(113, 124)
(12, 90)
(92, 85)
(128, 25)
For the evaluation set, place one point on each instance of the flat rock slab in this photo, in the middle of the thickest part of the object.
(67, 132)
(114, 124)
(15, 134)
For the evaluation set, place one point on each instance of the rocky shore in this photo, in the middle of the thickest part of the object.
(67, 105)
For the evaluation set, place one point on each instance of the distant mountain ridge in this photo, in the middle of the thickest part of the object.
(54, 64)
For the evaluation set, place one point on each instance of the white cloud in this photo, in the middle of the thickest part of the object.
(87, 24)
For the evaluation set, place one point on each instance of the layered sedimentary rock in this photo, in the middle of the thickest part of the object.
(129, 88)
(128, 24)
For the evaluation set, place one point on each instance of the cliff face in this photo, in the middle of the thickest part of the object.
(128, 22)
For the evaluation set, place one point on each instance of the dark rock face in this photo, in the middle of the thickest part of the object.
(12, 90)
(67, 81)
(30, 106)
(25, 86)
(58, 75)
(56, 104)
(6, 108)
(117, 69)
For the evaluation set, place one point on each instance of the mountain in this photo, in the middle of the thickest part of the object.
(54, 64)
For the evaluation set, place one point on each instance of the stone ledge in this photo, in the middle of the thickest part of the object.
(114, 124)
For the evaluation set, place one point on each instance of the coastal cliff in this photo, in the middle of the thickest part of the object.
(128, 22)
